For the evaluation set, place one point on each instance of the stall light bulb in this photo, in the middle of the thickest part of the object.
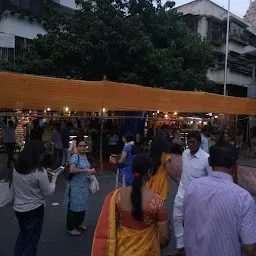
(175, 113)
(66, 109)
(48, 109)
(103, 110)
(166, 116)
(158, 111)
(216, 117)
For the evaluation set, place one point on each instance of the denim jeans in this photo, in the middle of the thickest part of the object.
(31, 224)
(10, 148)
(66, 156)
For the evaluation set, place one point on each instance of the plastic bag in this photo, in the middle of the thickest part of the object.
(94, 184)
(6, 192)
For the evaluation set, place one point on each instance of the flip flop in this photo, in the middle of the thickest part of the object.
(83, 227)
(74, 232)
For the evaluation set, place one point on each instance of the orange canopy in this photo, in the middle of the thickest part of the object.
(28, 92)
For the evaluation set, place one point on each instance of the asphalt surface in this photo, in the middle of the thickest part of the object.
(54, 240)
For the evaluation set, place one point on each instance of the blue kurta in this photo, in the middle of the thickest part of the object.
(125, 173)
(79, 185)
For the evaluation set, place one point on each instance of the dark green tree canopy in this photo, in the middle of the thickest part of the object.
(134, 41)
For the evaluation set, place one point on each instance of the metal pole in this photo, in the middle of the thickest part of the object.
(101, 147)
(226, 58)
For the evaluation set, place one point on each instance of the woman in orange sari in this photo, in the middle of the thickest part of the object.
(133, 220)
(162, 167)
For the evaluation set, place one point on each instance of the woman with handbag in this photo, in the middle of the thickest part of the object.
(77, 190)
(31, 185)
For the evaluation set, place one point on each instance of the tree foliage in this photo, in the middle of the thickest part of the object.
(135, 41)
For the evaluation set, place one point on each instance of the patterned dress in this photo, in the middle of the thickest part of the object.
(77, 190)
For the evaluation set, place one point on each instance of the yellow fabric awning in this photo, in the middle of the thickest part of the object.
(38, 93)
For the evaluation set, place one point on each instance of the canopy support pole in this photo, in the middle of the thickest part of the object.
(101, 147)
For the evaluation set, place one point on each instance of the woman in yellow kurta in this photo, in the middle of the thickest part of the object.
(162, 166)
(142, 215)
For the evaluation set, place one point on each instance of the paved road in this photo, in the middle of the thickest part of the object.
(54, 240)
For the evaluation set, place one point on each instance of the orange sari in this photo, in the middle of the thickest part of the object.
(108, 242)
(159, 183)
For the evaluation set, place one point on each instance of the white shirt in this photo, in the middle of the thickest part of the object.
(193, 167)
(204, 144)
(30, 190)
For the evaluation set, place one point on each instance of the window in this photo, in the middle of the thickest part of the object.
(20, 46)
(24, 4)
(6, 54)
(15, 2)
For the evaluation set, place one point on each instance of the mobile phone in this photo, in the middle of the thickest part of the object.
(57, 171)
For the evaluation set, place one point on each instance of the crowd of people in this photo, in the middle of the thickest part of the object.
(211, 214)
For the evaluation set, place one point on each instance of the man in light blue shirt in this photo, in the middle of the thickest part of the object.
(9, 138)
(219, 216)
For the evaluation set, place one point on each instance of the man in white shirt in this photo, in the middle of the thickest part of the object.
(205, 142)
(194, 165)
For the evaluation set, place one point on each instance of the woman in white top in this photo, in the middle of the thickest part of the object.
(31, 185)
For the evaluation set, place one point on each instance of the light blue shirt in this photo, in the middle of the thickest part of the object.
(204, 144)
(219, 216)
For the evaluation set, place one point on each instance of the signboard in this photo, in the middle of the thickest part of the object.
(7, 40)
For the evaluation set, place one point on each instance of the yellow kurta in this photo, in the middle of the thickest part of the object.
(159, 183)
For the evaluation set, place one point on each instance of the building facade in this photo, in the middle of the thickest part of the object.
(20, 21)
(210, 20)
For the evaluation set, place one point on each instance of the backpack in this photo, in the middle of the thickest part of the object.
(67, 174)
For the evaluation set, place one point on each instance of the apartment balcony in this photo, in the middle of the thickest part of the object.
(233, 78)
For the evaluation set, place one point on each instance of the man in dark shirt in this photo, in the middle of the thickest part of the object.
(9, 138)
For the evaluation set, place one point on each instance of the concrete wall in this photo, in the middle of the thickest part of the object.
(21, 27)
(232, 78)
(204, 8)
(234, 47)
(68, 3)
